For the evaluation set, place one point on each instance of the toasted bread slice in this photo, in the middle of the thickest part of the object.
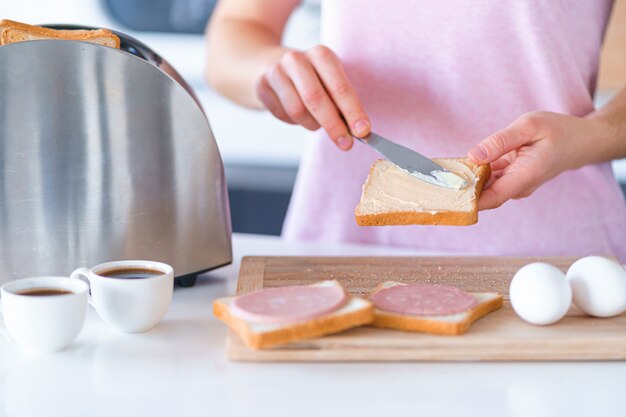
(452, 324)
(12, 32)
(392, 196)
(356, 312)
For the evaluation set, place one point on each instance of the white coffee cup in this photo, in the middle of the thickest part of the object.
(129, 305)
(44, 322)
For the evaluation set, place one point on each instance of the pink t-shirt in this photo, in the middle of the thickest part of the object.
(439, 76)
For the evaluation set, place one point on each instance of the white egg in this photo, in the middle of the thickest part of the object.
(599, 286)
(540, 294)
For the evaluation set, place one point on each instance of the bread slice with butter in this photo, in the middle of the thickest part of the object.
(392, 196)
(12, 32)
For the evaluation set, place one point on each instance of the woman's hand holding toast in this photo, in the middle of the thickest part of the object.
(537, 147)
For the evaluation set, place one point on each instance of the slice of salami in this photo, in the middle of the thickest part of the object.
(423, 299)
(288, 304)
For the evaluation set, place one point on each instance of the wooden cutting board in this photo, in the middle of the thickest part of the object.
(499, 336)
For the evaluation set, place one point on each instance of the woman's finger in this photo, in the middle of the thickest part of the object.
(500, 164)
(522, 131)
(495, 175)
(491, 180)
(271, 102)
(508, 186)
(336, 83)
(289, 97)
(316, 99)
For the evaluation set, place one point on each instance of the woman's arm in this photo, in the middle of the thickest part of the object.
(247, 64)
(538, 146)
(243, 39)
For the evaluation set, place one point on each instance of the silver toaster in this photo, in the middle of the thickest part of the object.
(105, 154)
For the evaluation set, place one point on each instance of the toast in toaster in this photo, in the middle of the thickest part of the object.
(12, 32)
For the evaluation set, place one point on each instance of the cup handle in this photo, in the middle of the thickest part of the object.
(83, 275)
(3, 333)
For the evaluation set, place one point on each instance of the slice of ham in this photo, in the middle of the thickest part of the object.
(289, 304)
(423, 300)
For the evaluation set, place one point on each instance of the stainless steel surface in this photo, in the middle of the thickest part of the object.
(104, 156)
(141, 50)
(405, 158)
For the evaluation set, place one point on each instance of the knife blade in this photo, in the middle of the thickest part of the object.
(414, 162)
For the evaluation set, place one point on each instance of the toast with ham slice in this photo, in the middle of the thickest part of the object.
(12, 32)
(452, 324)
(259, 333)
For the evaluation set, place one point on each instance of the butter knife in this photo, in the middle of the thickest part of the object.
(415, 163)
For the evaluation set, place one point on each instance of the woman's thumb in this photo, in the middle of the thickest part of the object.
(498, 144)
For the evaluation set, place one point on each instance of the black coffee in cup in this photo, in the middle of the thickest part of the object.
(131, 273)
(38, 292)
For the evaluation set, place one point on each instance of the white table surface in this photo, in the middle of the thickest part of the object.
(180, 369)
